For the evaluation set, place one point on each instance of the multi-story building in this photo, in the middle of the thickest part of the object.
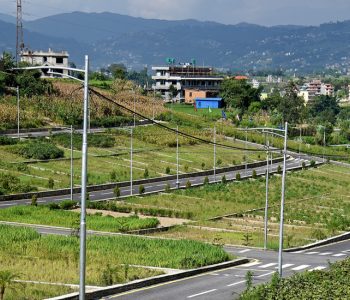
(316, 88)
(47, 58)
(191, 95)
(172, 80)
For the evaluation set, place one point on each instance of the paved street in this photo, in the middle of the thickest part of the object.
(229, 283)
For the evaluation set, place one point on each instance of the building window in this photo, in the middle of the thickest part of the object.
(45, 59)
(190, 94)
(59, 60)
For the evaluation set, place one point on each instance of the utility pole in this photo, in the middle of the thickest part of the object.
(177, 158)
(246, 153)
(84, 185)
(214, 154)
(134, 109)
(19, 32)
(154, 100)
(280, 249)
(71, 163)
(131, 151)
(267, 194)
(324, 141)
(18, 115)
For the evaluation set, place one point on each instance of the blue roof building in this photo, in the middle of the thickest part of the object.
(208, 103)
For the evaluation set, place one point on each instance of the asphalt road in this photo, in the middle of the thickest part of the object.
(229, 283)
(157, 186)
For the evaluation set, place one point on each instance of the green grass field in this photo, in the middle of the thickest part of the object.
(110, 260)
(317, 206)
(69, 219)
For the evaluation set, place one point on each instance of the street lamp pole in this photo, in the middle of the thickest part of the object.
(267, 194)
(131, 157)
(177, 158)
(214, 154)
(134, 109)
(246, 153)
(71, 163)
(18, 116)
(280, 249)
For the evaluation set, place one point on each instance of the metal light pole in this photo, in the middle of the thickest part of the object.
(131, 151)
(177, 158)
(18, 135)
(154, 100)
(71, 163)
(214, 153)
(324, 141)
(134, 109)
(280, 249)
(267, 194)
(246, 153)
(82, 258)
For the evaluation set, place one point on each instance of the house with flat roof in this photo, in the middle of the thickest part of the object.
(171, 81)
(47, 58)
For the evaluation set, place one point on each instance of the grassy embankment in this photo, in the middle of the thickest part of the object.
(110, 260)
(317, 206)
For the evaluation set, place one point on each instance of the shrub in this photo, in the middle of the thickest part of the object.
(279, 169)
(113, 175)
(116, 191)
(238, 176)
(188, 184)
(167, 170)
(223, 179)
(68, 204)
(206, 180)
(50, 183)
(312, 164)
(186, 168)
(234, 162)
(219, 162)
(303, 165)
(203, 165)
(4, 140)
(34, 201)
(94, 140)
(318, 234)
(254, 175)
(54, 206)
(141, 189)
(38, 150)
(146, 173)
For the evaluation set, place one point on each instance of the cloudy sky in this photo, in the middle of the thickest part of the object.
(264, 12)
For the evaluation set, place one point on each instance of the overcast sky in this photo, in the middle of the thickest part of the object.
(264, 12)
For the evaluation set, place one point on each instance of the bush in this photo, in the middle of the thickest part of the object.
(219, 162)
(4, 140)
(34, 201)
(206, 180)
(279, 169)
(38, 150)
(50, 183)
(12, 184)
(188, 184)
(113, 175)
(146, 173)
(312, 164)
(116, 191)
(167, 170)
(238, 176)
(54, 206)
(254, 175)
(141, 189)
(303, 165)
(68, 204)
(203, 165)
(223, 179)
(186, 168)
(94, 140)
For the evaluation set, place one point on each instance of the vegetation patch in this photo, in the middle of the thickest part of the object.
(37, 150)
(94, 140)
(10, 184)
(326, 284)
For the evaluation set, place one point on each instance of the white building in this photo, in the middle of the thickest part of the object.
(183, 77)
(47, 58)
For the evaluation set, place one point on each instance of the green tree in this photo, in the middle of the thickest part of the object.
(239, 94)
(325, 109)
(118, 71)
(7, 278)
(291, 106)
(172, 91)
(272, 101)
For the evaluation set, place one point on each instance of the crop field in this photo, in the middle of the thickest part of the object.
(110, 260)
(317, 206)
(45, 216)
(109, 158)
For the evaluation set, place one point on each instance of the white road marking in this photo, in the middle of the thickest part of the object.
(311, 253)
(107, 193)
(326, 253)
(254, 263)
(267, 265)
(301, 267)
(203, 293)
(338, 254)
(244, 251)
(214, 274)
(317, 268)
(300, 251)
(236, 283)
(286, 266)
(266, 274)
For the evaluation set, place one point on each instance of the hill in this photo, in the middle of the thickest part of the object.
(136, 42)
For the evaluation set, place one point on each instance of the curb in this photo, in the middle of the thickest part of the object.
(117, 289)
(331, 240)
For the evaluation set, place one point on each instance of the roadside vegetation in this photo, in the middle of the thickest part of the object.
(332, 283)
(110, 260)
